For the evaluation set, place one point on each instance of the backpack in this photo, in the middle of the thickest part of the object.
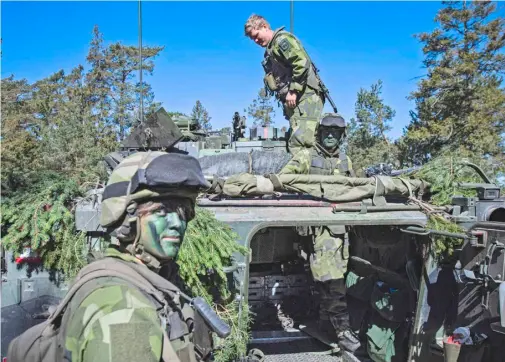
(46, 341)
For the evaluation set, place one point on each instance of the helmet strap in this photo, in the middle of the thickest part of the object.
(137, 250)
(135, 244)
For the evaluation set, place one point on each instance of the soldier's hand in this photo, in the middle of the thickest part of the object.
(291, 99)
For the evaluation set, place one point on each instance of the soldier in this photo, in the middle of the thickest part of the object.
(324, 157)
(328, 261)
(147, 209)
(119, 308)
(238, 125)
(290, 75)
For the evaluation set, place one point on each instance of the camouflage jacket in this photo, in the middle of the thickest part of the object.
(289, 64)
(116, 322)
(316, 160)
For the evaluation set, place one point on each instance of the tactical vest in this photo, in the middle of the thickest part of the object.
(46, 341)
(320, 165)
(278, 74)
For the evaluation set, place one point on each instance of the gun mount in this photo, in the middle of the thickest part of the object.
(158, 132)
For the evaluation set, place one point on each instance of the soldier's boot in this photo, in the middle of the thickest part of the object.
(347, 339)
(254, 355)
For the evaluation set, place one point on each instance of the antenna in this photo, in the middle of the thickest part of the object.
(140, 64)
(292, 16)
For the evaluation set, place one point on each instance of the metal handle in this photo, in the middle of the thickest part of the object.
(421, 231)
(231, 268)
(217, 324)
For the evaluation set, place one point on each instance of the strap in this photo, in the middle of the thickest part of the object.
(344, 163)
(114, 267)
(157, 281)
(138, 275)
(407, 183)
(281, 31)
(380, 190)
(250, 161)
(168, 353)
(106, 268)
(276, 181)
(217, 185)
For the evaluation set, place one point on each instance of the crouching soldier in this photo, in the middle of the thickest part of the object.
(325, 156)
(119, 308)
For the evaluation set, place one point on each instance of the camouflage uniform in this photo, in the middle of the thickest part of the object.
(116, 321)
(317, 161)
(289, 68)
(328, 261)
(328, 264)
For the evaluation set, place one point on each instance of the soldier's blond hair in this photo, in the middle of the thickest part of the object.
(255, 22)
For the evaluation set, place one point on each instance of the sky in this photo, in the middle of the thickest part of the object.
(207, 57)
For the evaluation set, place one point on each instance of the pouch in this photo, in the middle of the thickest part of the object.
(269, 80)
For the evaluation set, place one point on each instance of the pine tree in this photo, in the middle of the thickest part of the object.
(98, 78)
(261, 109)
(201, 116)
(367, 142)
(66, 123)
(19, 143)
(460, 105)
(122, 68)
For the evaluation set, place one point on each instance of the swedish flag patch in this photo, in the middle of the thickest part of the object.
(284, 45)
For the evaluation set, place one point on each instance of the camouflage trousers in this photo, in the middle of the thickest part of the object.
(333, 305)
(328, 264)
(306, 114)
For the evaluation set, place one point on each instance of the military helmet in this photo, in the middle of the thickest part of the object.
(332, 120)
(147, 175)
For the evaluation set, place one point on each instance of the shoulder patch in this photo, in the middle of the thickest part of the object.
(284, 44)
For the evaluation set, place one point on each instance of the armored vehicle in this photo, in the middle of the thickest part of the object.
(199, 143)
(406, 302)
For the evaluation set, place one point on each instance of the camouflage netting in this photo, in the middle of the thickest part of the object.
(233, 163)
(333, 188)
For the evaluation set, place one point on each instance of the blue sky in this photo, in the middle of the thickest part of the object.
(207, 56)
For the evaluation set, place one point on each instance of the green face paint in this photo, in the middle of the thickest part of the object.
(162, 231)
(331, 137)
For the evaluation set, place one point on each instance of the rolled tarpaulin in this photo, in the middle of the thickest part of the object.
(335, 188)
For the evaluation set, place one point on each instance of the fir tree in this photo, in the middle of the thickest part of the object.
(261, 109)
(367, 142)
(201, 116)
(460, 105)
(19, 144)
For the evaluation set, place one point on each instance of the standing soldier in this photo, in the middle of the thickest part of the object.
(328, 262)
(238, 124)
(290, 75)
(119, 308)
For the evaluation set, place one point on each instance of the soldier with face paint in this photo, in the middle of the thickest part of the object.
(147, 204)
(324, 158)
(328, 260)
